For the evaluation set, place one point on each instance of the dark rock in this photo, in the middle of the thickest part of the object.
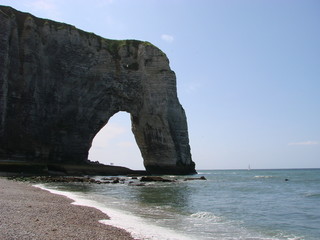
(60, 85)
(137, 184)
(64, 179)
(200, 178)
(140, 184)
(155, 179)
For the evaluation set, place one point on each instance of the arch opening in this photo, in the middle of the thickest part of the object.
(115, 144)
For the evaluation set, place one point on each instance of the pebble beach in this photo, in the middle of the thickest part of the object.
(28, 212)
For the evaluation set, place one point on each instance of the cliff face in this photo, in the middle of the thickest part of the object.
(60, 85)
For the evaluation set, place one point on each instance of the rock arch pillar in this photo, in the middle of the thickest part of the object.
(165, 149)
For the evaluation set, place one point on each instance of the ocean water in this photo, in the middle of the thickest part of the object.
(230, 204)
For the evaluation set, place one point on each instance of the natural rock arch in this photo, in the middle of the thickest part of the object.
(115, 145)
(60, 85)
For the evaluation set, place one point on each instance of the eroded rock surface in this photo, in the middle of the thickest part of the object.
(60, 85)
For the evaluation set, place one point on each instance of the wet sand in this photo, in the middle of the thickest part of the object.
(27, 212)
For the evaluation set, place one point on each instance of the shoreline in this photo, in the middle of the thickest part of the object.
(139, 227)
(28, 212)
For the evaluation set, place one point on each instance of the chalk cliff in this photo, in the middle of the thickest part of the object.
(60, 85)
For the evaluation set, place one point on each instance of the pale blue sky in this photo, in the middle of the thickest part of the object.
(248, 74)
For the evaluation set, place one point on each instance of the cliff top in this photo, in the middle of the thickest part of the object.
(111, 45)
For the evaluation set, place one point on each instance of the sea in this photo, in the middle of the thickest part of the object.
(230, 204)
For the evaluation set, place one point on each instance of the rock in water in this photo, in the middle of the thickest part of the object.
(60, 85)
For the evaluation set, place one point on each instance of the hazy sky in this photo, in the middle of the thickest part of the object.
(248, 74)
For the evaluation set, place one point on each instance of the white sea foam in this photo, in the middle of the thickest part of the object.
(206, 216)
(222, 229)
(263, 176)
(137, 226)
(313, 195)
